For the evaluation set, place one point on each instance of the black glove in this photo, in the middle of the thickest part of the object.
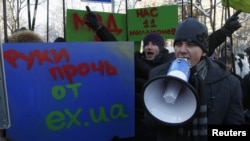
(232, 24)
(91, 20)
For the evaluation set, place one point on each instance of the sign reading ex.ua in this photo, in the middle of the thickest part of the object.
(70, 91)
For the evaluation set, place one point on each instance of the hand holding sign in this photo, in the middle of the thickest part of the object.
(91, 20)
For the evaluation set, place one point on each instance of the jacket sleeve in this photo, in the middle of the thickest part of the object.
(105, 35)
(215, 40)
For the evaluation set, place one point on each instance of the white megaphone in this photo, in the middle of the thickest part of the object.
(170, 98)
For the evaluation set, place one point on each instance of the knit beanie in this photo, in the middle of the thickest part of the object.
(191, 30)
(155, 38)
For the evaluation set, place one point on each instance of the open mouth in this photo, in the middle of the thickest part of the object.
(150, 54)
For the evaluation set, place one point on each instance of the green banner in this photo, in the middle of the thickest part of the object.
(243, 5)
(139, 22)
(77, 30)
(162, 20)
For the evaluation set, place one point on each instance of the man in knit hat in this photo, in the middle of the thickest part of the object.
(153, 44)
(153, 54)
(210, 79)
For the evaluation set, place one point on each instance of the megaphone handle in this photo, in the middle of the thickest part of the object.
(171, 92)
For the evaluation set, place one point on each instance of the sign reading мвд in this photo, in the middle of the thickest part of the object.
(70, 91)
(77, 30)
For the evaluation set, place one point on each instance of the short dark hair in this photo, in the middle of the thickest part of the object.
(59, 39)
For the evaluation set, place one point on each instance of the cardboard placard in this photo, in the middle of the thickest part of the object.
(70, 91)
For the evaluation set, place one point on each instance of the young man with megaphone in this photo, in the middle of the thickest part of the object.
(217, 92)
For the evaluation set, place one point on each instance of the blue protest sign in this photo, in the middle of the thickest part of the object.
(70, 91)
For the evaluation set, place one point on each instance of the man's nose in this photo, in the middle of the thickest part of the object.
(183, 48)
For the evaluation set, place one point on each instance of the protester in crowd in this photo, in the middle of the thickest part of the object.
(237, 63)
(242, 72)
(226, 57)
(212, 82)
(24, 35)
(245, 83)
(100, 30)
(241, 68)
(241, 65)
(154, 54)
(241, 60)
(228, 60)
(247, 51)
(60, 39)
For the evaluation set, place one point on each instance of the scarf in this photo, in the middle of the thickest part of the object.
(196, 130)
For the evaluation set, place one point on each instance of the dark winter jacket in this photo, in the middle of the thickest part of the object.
(224, 98)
